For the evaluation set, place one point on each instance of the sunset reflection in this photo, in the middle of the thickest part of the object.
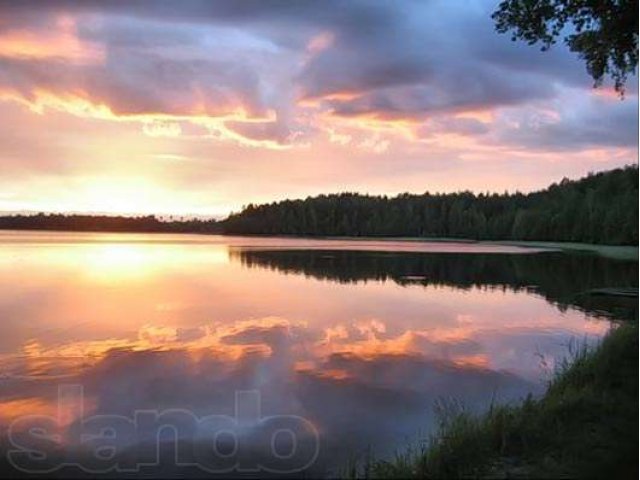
(149, 322)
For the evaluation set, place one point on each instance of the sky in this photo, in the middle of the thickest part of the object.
(201, 107)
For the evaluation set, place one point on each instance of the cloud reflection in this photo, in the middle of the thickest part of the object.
(351, 393)
(359, 343)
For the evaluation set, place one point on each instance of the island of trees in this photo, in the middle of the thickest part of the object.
(600, 208)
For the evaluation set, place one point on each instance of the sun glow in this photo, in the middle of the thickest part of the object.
(128, 195)
(115, 262)
(119, 258)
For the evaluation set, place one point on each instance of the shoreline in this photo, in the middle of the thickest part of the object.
(616, 252)
(619, 252)
(595, 389)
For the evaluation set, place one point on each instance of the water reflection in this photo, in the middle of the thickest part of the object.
(561, 278)
(360, 343)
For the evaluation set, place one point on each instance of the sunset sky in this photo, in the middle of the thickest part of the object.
(199, 107)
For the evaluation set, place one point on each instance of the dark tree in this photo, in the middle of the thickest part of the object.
(604, 33)
(105, 223)
(600, 208)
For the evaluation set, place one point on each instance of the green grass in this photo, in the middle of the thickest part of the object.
(585, 426)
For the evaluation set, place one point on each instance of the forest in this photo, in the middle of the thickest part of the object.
(103, 223)
(599, 208)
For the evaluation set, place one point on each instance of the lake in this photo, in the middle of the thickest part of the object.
(296, 353)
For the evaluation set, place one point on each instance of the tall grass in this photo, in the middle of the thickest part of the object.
(585, 426)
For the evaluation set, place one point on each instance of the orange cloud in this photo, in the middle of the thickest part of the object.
(61, 41)
(152, 124)
(320, 42)
(486, 115)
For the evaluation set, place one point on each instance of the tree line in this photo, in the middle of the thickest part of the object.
(599, 208)
(104, 223)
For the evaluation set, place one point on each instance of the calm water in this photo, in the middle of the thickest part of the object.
(359, 339)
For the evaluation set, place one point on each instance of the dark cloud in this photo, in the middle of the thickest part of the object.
(584, 127)
(356, 15)
(463, 93)
(382, 59)
(427, 44)
(133, 84)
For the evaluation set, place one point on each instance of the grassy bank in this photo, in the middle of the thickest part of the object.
(585, 426)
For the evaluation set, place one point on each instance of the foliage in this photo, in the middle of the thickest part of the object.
(103, 223)
(601, 208)
(604, 33)
(585, 426)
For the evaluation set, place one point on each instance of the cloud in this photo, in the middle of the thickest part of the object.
(412, 65)
(132, 85)
(156, 128)
(395, 63)
(419, 102)
(581, 126)
(394, 96)
(456, 125)
(142, 71)
(261, 133)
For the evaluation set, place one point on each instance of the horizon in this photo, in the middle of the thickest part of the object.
(197, 110)
(203, 217)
